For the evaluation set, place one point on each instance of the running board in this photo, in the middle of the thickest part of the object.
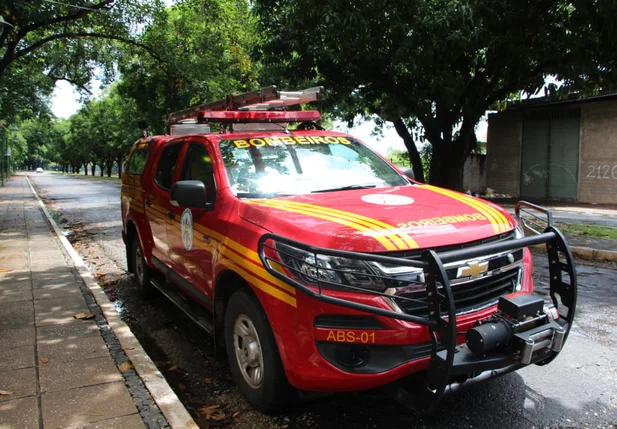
(194, 311)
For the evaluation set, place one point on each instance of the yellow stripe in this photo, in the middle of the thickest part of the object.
(498, 221)
(384, 241)
(257, 272)
(401, 240)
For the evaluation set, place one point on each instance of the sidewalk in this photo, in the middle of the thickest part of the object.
(57, 370)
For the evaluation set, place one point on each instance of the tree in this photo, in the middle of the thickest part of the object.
(206, 47)
(49, 41)
(439, 63)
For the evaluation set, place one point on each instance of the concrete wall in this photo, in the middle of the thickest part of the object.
(503, 152)
(474, 174)
(598, 153)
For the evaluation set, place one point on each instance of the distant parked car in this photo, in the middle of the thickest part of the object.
(39, 170)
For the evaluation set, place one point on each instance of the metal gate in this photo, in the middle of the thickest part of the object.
(549, 167)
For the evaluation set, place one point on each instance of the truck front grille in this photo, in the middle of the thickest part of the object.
(469, 296)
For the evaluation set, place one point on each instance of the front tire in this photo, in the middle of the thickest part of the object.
(253, 355)
(143, 273)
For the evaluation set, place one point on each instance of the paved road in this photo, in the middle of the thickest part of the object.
(577, 390)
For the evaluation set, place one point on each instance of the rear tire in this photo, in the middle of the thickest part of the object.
(253, 355)
(143, 273)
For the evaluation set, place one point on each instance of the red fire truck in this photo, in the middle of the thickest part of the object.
(318, 266)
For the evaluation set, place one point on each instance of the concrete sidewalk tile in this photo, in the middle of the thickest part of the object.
(86, 405)
(15, 295)
(15, 284)
(22, 382)
(43, 280)
(73, 349)
(19, 414)
(59, 317)
(68, 331)
(133, 421)
(10, 338)
(60, 304)
(14, 264)
(16, 358)
(58, 267)
(56, 376)
(61, 291)
(18, 314)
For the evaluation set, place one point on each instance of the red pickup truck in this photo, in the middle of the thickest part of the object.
(318, 266)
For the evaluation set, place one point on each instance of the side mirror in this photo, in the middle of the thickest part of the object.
(409, 173)
(189, 193)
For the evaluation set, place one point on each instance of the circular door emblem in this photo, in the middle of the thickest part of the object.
(186, 227)
(387, 199)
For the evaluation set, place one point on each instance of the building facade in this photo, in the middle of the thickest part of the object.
(565, 150)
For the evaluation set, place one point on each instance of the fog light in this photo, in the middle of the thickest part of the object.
(351, 355)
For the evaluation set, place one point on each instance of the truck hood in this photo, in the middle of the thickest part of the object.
(380, 219)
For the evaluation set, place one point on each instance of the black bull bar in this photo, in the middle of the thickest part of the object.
(450, 365)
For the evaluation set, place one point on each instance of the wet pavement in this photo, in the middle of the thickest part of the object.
(577, 390)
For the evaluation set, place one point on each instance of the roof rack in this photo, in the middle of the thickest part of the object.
(269, 98)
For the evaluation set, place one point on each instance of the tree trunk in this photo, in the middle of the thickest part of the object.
(414, 155)
(119, 161)
(102, 170)
(110, 165)
(448, 161)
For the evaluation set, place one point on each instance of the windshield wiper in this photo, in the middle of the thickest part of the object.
(344, 188)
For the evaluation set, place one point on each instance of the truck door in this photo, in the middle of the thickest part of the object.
(157, 201)
(191, 248)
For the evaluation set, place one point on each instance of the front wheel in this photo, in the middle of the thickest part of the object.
(143, 273)
(253, 355)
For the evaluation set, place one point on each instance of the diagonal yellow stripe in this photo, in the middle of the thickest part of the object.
(384, 241)
(497, 220)
(402, 240)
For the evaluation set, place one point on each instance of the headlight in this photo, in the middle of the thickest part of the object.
(329, 271)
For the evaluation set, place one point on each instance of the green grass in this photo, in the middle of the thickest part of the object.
(587, 230)
(113, 178)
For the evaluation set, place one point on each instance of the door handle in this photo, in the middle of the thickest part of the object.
(171, 214)
(148, 203)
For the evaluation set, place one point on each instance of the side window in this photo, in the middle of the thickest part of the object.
(137, 162)
(198, 166)
(167, 166)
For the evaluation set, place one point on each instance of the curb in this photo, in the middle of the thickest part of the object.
(586, 253)
(594, 254)
(177, 416)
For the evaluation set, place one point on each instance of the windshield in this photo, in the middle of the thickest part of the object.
(293, 165)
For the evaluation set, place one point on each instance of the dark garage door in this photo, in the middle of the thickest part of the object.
(549, 167)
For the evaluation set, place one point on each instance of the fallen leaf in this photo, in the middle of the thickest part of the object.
(173, 368)
(182, 387)
(235, 414)
(129, 348)
(212, 412)
(83, 315)
(44, 360)
(125, 366)
(5, 271)
(5, 323)
(5, 393)
(161, 363)
(208, 380)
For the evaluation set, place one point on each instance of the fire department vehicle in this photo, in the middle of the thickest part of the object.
(318, 266)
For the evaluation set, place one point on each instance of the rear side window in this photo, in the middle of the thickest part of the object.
(167, 166)
(137, 162)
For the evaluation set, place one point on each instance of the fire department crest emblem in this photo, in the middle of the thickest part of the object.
(186, 227)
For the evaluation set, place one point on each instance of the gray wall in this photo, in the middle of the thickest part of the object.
(503, 153)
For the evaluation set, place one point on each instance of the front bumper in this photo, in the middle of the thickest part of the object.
(448, 361)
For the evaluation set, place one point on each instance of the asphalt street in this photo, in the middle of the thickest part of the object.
(577, 390)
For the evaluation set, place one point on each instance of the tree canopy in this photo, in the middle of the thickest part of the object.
(47, 41)
(440, 63)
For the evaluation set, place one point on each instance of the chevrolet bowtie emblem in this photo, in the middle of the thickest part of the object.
(473, 269)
